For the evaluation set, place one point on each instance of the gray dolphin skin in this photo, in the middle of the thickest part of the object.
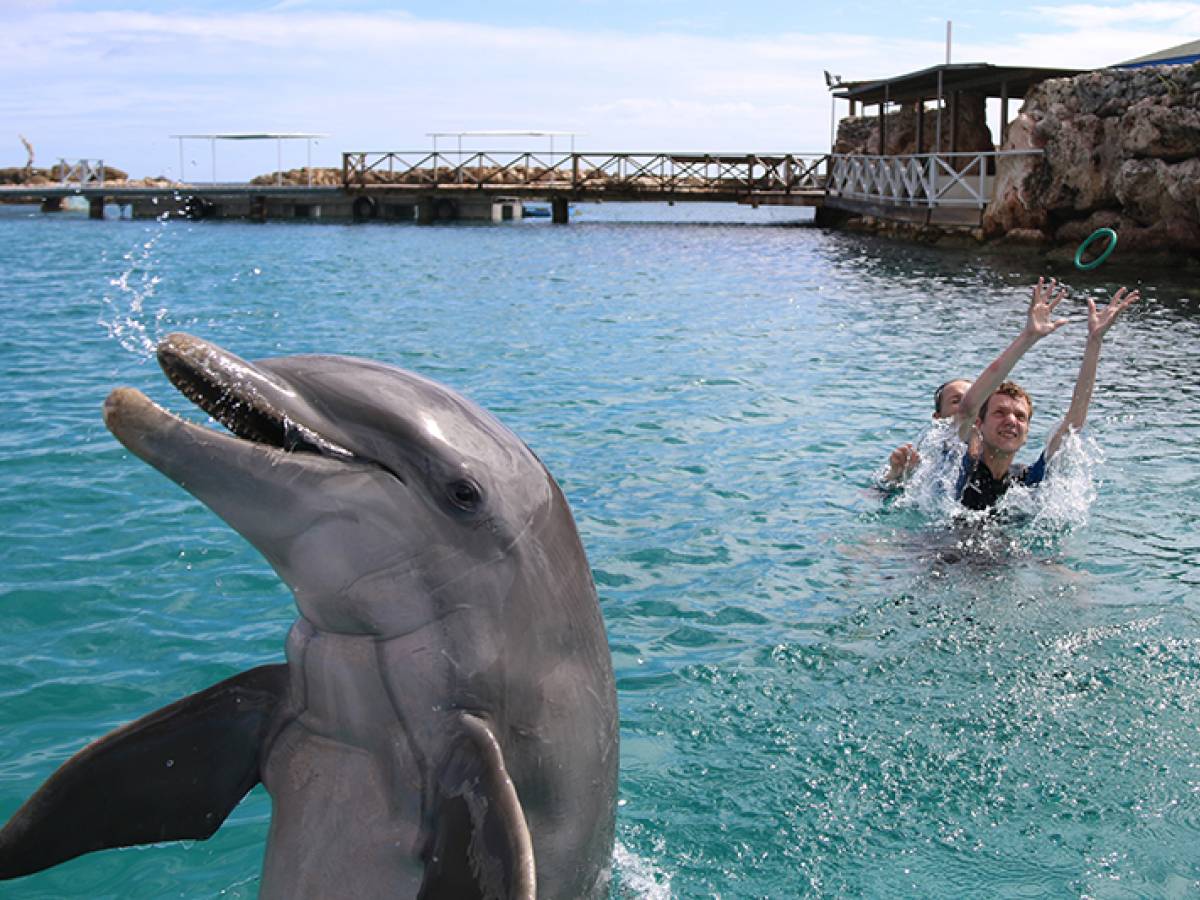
(446, 722)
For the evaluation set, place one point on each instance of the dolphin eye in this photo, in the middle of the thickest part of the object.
(465, 494)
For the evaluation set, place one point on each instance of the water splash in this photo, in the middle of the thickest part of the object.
(930, 487)
(1041, 514)
(639, 877)
(130, 315)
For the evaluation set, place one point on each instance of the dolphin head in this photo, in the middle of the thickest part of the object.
(384, 500)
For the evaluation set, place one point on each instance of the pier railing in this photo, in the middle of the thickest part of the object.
(81, 172)
(580, 173)
(922, 179)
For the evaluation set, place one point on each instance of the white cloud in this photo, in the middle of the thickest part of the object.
(1185, 17)
(115, 84)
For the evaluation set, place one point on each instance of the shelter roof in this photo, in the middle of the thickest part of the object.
(981, 78)
(1182, 53)
(503, 133)
(253, 136)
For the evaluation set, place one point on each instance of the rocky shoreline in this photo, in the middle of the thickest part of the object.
(1120, 149)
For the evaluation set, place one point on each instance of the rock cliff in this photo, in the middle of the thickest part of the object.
(1121, 148)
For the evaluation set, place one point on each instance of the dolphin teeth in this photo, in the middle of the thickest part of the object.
(243, 416)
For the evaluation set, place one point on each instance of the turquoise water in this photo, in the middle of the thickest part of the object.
(822, 692)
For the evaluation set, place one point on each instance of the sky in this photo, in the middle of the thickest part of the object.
(114, 80)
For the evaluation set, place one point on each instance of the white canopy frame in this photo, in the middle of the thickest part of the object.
(278, 137)
(459, 135)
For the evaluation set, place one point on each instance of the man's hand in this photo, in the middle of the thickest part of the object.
(901, 463)
(1041, 307)
(1099, 321)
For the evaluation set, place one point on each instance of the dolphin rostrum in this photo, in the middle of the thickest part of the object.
(445, 724)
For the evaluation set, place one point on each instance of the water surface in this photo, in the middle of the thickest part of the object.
(823, 692)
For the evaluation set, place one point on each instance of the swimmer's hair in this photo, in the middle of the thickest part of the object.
(937, 395)
(1010, 389)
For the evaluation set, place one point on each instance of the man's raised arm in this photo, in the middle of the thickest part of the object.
(1038, 324)
(1099, 321)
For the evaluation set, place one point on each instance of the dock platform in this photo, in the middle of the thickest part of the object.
(428, 187)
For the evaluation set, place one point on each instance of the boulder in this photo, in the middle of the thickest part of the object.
(1120, 148)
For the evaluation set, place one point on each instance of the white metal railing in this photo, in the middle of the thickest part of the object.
(81, 172)
(919, 179)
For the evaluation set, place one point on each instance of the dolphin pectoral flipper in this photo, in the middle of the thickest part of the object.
(174, 774)
(483, 847)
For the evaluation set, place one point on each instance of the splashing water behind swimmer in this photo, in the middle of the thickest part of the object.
(1045, 513)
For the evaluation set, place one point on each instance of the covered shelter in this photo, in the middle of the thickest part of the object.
(278, 137)
(942, 84)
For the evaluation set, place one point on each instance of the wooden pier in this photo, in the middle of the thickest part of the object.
(427, 187)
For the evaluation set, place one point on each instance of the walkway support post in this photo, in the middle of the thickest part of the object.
(95, 207)
(425, 210)
(560, 211)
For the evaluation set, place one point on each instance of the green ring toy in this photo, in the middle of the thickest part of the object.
(1112, 245)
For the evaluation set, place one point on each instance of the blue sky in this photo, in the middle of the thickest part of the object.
(113, 80)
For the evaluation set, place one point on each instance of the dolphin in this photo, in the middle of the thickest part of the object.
(445, 723)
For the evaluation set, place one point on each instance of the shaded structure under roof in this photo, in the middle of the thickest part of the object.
(946, 82)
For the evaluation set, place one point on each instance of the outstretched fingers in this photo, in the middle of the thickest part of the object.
(1045, 293)
(1100, 321)
(1122, 302)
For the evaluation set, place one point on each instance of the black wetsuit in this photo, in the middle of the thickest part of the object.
(979, 489)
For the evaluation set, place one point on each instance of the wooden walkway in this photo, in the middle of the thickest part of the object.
(794, 179)
(433, 186)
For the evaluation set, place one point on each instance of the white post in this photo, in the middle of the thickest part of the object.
(212, 143)
(179, 180)
(949, 24)
(279, 161)
(309, 142)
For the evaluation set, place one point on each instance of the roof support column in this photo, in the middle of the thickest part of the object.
(883, 122)
(920, 125)
(937, 146)
(954, 122)
(1003, 113)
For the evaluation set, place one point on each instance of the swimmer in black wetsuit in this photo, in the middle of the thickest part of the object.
(980, 486)
(996, 412)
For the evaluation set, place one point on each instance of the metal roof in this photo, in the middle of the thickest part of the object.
(1183, 53)
(981, 78)
(503, 133)
(253, 136)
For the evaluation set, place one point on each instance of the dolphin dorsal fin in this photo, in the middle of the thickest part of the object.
(174, 774)
(482, 847)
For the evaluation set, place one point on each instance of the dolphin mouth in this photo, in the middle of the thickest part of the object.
(241, 397)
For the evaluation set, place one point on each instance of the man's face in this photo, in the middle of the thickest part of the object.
(1006, 424)
(952, 395)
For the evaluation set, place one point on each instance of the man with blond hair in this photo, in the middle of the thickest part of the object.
(994, 414)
